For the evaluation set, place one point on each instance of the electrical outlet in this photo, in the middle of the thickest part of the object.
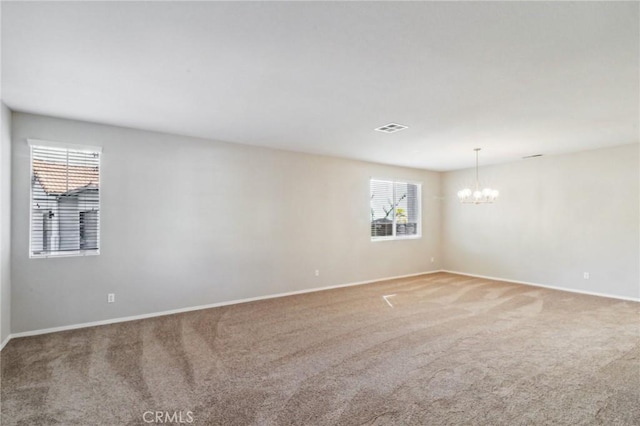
(586, 275)
(111, 298)
(317, 272)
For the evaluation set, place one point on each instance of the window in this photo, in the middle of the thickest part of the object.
(395, 210)
(65, 199)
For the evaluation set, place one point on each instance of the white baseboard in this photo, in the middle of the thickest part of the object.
(291, 293)
(4, 343)
(571, 290)
(200, 307)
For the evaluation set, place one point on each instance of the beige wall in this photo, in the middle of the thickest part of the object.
(557, 217)
(5, 223)
(187, 222)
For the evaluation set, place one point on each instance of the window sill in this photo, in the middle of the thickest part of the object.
(79, 253)
(409, 237)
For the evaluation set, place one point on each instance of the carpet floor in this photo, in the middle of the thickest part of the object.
(439, 349)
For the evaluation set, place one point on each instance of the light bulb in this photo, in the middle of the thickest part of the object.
(494, 194)
(461, 194)
(477, 194)
(486, 192)
(467, 192)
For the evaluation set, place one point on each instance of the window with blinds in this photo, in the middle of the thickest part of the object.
(395, 209)
(65, 199)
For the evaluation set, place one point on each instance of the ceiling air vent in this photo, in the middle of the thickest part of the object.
(391, 128)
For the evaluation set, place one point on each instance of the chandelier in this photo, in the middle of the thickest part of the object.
(478, 196)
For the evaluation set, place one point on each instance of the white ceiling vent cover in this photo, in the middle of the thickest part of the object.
(391, 128)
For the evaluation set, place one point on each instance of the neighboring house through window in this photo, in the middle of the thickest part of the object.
(65, 199)
(395, 209)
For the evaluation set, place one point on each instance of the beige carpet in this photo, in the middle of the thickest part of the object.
(444, 350)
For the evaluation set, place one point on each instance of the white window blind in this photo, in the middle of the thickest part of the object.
(65, 200)
(395, 209)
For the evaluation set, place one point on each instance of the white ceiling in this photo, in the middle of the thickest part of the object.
(513, 78)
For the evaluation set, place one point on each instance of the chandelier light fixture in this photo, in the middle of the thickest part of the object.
(479, 195)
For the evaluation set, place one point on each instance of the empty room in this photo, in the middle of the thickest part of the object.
(320, 213)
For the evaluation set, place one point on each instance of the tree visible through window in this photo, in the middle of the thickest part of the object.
(395, 209)
(65, 199)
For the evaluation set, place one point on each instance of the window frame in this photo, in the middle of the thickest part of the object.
(395, 237)
(68, 146)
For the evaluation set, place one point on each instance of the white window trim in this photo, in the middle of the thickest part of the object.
(79, 253)
(63, 145)
(76, 147)
(418, 234)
